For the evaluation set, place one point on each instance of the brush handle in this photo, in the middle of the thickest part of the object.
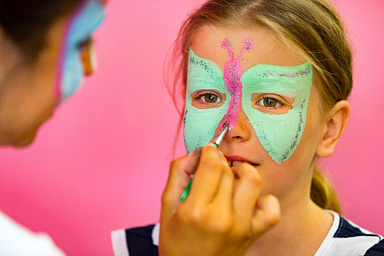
(186, 191)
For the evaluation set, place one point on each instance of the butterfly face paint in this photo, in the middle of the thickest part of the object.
(232, 79)
(77, 50)
(206, 75)
(279, 133)
(200, 124)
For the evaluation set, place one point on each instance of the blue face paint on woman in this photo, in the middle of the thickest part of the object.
(77, 52)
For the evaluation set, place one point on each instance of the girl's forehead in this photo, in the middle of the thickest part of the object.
(267, 49)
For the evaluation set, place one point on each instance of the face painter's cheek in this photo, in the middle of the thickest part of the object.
(233, 70)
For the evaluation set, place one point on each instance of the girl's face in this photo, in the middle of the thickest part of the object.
(252, 82)
(31, 92)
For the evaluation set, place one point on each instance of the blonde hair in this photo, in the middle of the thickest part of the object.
(311, 28)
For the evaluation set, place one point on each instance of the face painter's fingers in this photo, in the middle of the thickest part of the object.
(224, 194)
(266, 215)
(247, 191)
(191, 162)
(208, 175)
(261, 212)
(178, 179)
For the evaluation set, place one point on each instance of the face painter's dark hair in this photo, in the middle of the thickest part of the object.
(26, 22)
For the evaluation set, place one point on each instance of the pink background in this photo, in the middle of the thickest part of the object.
(102, 161)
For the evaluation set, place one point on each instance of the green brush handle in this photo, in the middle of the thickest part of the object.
(186, 191)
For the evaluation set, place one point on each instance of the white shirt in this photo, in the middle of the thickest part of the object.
(17, 240)
(343, 239)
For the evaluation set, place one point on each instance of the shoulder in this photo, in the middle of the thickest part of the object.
(19, 240)
(139, 241)
(346, 238)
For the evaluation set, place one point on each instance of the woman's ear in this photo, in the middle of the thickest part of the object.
(333, 128)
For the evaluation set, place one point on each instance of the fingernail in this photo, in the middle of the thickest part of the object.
(195, 152)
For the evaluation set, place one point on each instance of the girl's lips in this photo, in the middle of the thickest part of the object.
(235, 160)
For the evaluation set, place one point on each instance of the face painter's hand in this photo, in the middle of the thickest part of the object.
(215, 218)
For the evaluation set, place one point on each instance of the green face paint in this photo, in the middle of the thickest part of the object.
(278, 133)
(200, 124)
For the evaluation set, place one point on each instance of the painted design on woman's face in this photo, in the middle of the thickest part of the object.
(274, 98)
(233, 70)
(78, 58)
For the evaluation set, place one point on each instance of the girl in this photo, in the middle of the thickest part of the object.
(45, 50)
(278, 74)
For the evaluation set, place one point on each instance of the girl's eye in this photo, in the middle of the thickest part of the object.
(204, 99)
(210, 98)
(273, 104)
(269, 102)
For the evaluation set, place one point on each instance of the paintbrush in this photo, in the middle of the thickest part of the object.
(219, 138)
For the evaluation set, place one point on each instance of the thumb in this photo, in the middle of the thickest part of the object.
(267, 214)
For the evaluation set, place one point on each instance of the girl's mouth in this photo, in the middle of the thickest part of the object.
(236, 160)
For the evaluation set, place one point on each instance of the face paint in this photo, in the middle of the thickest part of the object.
(278, 133)
(233, 71)
(86, 19)
(200, 124)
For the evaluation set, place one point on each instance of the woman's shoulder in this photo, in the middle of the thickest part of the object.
(347, 238)
(137, 241)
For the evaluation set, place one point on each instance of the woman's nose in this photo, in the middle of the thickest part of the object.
(88, 58)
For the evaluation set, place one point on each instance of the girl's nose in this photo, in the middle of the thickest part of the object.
(242, 130)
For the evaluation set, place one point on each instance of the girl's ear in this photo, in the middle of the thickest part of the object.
(333, 128)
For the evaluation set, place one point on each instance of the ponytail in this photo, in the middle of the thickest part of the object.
(322, 192)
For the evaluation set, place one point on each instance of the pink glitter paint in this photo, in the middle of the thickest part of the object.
(233, 70)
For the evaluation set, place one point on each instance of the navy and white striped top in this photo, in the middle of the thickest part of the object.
(343, 239)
